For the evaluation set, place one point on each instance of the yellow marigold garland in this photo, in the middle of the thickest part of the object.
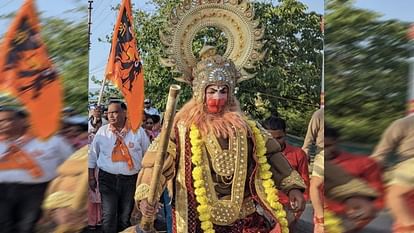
(264, 173)
(200, 192)
(332, 223)
(272, 196)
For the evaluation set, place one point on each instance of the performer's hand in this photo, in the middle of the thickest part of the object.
(148, 210)
(360, 209)
(296, 199)
(92, 183)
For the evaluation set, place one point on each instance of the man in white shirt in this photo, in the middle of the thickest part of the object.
(27, 165)
(315, 133)
(149, 109)
(117, 152)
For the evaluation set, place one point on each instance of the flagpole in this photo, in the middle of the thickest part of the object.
(89, 22)
(410, 100)
(101, 91)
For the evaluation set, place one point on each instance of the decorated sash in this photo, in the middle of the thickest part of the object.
(120, 153)
(16, 158)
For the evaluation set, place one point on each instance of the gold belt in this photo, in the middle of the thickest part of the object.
(248, 208)
(225, 215)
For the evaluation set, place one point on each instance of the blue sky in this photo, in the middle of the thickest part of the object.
(390, 9)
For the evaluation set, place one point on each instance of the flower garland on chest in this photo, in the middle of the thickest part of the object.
(265, 175)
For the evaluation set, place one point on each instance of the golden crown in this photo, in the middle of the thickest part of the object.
(235, 18)
(213, 69)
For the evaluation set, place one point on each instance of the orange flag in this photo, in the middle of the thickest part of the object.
(28, 74)
(124, 67)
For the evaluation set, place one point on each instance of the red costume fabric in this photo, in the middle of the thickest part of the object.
(299, 162)
(251, 224)
(363, 167)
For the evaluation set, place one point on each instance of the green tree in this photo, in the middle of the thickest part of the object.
(110, 91)
(67, 44)
(288, 80)
(366, 70)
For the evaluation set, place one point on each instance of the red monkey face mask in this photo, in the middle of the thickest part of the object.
(216, 98)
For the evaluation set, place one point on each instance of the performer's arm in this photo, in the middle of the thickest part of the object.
(287, 179)
(284, 176)
(316, 195)
(389, 141)
(145, 174)
(311, 134)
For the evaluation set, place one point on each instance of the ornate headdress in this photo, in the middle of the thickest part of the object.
(236, 19)
(213, 69)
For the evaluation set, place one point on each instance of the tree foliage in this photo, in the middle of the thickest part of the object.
(287, 81)
(110, 91)
(366, 70)
(67, 44)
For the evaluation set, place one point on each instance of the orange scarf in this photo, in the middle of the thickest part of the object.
(16, 158)
(120, 153)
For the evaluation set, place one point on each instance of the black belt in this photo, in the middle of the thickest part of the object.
(22, 185)
(117, 175)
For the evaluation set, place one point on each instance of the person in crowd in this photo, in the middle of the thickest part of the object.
(315, 133)
(399, 138)
(149, 125)
(297, 159)
(359, 166)
(149, 109)
(27, 165)
(117, 152)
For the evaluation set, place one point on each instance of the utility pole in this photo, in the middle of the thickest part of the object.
(89, 22)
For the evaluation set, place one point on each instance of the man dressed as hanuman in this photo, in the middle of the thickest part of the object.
(226, 169)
